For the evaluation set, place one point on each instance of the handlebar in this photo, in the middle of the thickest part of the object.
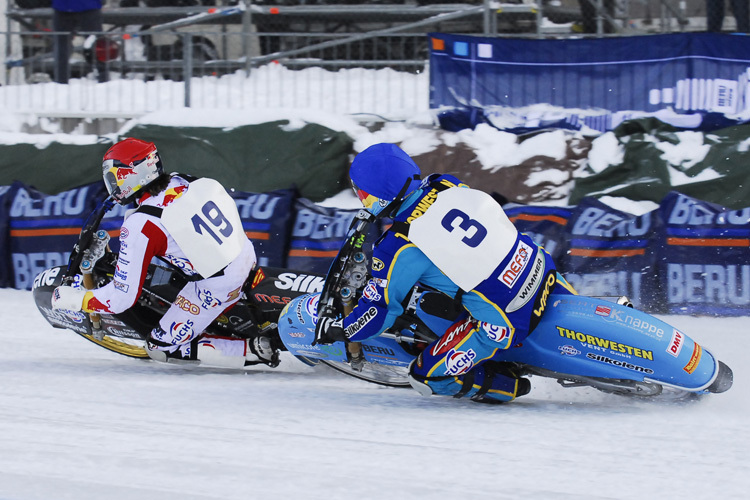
(86, 238)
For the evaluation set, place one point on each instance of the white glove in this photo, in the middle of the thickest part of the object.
(68, 298)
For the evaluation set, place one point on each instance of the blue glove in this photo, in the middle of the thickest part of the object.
(328, 331)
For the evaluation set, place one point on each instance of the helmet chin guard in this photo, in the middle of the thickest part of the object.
(128, 167)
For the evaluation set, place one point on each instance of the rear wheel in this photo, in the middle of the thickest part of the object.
(724, 379)
(388, 375)
(131, 348)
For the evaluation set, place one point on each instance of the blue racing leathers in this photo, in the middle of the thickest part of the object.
(460, 242)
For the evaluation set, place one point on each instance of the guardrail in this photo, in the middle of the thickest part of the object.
(338, 58)
(116, 75)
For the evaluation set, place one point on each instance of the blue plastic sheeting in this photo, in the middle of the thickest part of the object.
(691, 80)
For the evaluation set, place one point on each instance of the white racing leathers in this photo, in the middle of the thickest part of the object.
(200, 232)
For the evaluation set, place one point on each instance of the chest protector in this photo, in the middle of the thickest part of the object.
(206, 225)
(466, 234)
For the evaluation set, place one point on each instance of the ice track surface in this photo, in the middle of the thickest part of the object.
(78, 422)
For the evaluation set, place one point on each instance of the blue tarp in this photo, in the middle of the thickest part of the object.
(693, 80)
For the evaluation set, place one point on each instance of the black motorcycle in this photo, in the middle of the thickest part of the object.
(92, 265)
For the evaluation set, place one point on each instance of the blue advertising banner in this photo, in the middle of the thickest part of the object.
(7, 193)
(613, 253)
(267, 220)
(705, 252)
(545, 225)
(692, 80)
(318, 234)
(44, 228)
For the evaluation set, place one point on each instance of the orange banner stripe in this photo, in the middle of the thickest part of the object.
(313, 253)
(257, 236)
(551, 218)
(58, 231)
(581, 252)
(710, 242)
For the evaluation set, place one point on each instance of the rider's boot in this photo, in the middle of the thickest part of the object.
(483, 384)
(165, 352)
(230, 352)
(225, 352)
(260, 350)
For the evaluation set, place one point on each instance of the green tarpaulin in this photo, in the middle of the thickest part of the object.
(710, 166)
(250, 158)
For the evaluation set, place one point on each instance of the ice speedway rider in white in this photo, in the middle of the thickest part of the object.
(460, 242)
(192, 223)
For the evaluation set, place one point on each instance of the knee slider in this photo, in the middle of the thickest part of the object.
(446, 385)
(418, 382)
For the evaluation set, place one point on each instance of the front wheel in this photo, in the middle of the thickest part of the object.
(131, 348)
(388, 375)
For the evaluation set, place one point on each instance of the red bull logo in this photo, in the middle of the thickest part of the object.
(172, 194)
(123, 173)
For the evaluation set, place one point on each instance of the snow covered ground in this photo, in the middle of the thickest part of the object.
(78, 422)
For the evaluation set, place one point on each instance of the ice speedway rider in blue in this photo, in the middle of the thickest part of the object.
(458, 241)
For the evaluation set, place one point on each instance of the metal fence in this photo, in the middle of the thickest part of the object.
(335, 56)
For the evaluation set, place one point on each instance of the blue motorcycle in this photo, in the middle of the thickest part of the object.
(580, 341)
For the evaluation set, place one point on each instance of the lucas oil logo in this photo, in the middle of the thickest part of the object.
(459, 362)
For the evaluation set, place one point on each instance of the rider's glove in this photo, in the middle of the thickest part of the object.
(68, 298)
(328, 331)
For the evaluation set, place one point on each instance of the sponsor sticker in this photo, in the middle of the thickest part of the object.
(675, 345)
(603, 310)
(452, 337)
(494, 332)
(517, 264)
(207, 299)
(310, 306)
(530, 285)
(459, 362)
(568, 350)
(181, 332)
(694, 359)
(371, 292)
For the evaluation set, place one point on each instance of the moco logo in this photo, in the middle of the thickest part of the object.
(517, 264)
(675, 345)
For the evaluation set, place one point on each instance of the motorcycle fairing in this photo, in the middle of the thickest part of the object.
(595, 338)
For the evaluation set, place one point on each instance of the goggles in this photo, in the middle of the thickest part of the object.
(367, 199)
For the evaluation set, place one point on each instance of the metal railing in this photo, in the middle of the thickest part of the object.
(382, 75)
(349, 59)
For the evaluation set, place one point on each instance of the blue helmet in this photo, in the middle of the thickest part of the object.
(380, 173)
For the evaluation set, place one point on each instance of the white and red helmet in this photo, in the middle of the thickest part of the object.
(128, 167)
